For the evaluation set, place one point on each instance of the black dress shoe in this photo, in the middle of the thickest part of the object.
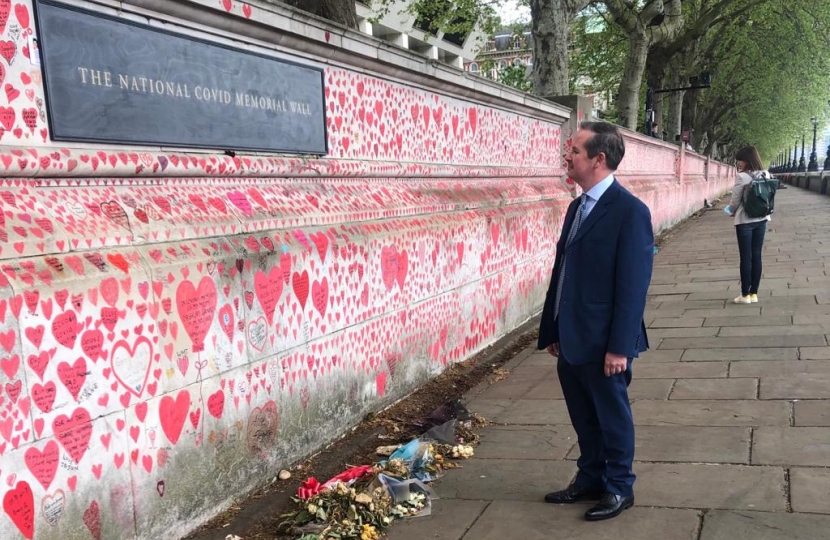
(610, 505)
(572, 494)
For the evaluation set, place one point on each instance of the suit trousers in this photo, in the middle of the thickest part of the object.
(601, 415)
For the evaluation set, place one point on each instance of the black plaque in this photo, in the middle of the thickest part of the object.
(115, 81)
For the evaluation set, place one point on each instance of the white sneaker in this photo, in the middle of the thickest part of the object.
(754, 298)
(742, 299)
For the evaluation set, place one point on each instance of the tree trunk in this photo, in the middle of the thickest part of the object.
(675, 116)
(690, 118)
(655, 71)
(339, 11)
(711, 143)
(628, 102)
(657, 21)
(550, 28)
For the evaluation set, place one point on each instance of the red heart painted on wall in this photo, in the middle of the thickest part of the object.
(196, 308)
(19, 504)
(173, 413)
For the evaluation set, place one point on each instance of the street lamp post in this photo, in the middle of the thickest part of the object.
(802, 163)
(813, 155)
(794, 163)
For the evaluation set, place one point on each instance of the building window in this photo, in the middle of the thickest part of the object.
(502, 65)
(518, 62)
(474, 68)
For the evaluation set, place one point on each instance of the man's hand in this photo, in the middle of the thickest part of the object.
(553, 350)
(615, 363)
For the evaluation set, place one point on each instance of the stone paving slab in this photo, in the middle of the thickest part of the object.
(731, 310)
(540, 358)
(687, 370)
(715, 389)
(723, 296)
(722, 355)
(654, 355)
(739, 413)
(661, 333)
(509, 388)
(812, 413)
(764, 526)
(693, 304)
(505, 479)
(449, 520)
(689, 444)
(791, 330)
(796, 386)
(522, 411)
(814, 353)
(649, 388)
(808, 446)
(809, 489)
(526, 442)
(778, 369)
(723, 273)
(509, 520)
(546, 389)
(771, 320)
(779, 308)
(746, 342)
(660, 298)
(525, 372)
(796, 301)
(800, 291)
(728, 487)
(677, 322)
(690, 287)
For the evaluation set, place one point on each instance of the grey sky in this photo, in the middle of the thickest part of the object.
(509, 11)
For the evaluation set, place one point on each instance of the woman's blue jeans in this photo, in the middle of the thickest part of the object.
(750, 243)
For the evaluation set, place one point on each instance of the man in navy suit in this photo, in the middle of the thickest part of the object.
(593, 318)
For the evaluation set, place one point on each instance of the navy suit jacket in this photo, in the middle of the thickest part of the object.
(606, 281)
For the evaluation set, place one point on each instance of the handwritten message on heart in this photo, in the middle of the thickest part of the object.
(52, 506)
(73, 432)
(197, 306)
(43, 464)
(131, 364)
(268, 289)
(19, 504)
(258, 333)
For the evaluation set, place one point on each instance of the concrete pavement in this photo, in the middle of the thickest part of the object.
(732, 406)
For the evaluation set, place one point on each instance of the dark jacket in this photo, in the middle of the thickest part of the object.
(607, 277)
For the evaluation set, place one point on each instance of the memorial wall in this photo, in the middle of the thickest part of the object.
(230, 230)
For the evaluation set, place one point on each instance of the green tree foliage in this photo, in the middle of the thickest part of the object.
(598, 52)
(449, 16)
(770, 68)
(516, 76)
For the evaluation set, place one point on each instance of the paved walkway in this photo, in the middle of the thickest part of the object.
(732, 407)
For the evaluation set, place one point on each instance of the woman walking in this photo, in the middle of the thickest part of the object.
(750, 230)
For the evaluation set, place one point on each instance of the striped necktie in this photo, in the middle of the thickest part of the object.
(580, 215)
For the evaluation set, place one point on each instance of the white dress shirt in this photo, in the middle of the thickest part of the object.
(593, 194)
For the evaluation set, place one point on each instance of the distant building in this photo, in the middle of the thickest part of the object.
(399, 27)
(507, 47)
